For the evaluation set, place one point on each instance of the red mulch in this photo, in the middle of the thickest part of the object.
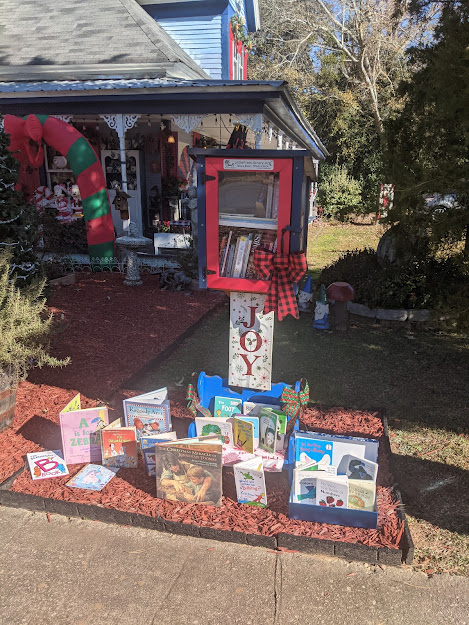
(146, 321)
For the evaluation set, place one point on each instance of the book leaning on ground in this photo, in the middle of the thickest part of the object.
(93, 477)
(147, 445)
(190, 470)
(46, 464)
(80, 431)
(150, 413)
(119, 446)
(250, 482)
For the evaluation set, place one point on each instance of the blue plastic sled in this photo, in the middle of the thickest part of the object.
(211, 386)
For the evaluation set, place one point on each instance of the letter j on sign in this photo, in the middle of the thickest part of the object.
(251, 337)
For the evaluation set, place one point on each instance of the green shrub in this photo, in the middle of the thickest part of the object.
(338, 193)
(24, 325)
(432, 283)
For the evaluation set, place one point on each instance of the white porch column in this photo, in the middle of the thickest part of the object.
(120, 123)
(280, 140)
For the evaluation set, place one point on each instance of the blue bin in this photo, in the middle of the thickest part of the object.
(211, 386)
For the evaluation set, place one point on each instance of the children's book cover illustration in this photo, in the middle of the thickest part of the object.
(222, 426)
(93, 477)
(250, 483)
(243, 431)
(119, 446)
(317, 445)
(224, 407)
(149, 413)
(80, 431)
(147, 445)
(332, 492)
(268, 427)
(190, 470)
(358, 468)
(362, 495)
(46, 464)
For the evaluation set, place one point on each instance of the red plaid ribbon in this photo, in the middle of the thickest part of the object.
(285, 269)
(293, 403)
(192, 399)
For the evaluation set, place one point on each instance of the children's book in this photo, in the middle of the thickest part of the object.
(250, 482)
(255, 425)
(190, 470)
(362, 495)
(119, 446)
(332, 447)
(226, 406)
(356, 468)
(147, 445)
(312, 465)
(46, 464)
(252, 408)
(80, 430)
(268, 428)
(93, 477)
(223, 426)
(149, 413)
(243, 431)
(281, 425)
(332, 492)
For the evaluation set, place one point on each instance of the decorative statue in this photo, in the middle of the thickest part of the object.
(321, 312)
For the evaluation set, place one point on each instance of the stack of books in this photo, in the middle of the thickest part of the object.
(237, 253)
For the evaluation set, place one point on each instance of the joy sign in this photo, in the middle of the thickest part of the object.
(251, 335)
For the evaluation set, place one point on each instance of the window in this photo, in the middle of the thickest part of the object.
(237, 55)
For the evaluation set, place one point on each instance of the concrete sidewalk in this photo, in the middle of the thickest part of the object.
(74, 572)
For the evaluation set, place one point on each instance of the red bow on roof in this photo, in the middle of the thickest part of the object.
(25, 138)
(285, 269)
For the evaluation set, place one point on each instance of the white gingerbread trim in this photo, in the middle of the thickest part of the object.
(63, 118)
(254, 123)
(188, 123)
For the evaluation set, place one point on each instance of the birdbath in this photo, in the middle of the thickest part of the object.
(132, 244)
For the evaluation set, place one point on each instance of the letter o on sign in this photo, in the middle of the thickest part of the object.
(242, 341)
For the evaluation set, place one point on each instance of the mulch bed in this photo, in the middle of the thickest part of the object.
(110, 332)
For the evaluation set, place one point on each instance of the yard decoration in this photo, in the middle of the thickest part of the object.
(321, 311)
(26, 136)
(340, 293)
(305, 296)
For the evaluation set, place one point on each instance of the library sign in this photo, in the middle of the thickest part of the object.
(246, 164)
(251, 337)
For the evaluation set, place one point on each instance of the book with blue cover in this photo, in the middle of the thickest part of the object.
(93, 477)
(224, 407)
(149, 413)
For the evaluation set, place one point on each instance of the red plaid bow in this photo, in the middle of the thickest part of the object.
(285, 270)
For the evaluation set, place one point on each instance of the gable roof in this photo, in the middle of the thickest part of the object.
(37, 36)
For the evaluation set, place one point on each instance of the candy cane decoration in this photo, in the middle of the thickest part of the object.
(85, 165)
(42, 194)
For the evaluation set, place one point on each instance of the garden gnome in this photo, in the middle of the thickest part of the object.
(340, 293)
(305, 295)
(321, 312)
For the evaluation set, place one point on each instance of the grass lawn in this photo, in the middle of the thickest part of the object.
(418, 378)
(328, 239)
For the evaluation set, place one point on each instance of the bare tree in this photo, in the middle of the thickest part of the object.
(367, 38)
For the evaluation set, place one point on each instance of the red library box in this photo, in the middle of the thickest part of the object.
(248, 200)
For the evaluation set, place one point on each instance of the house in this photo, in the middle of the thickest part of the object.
(143, 81)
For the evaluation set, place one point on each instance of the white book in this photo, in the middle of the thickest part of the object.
(250, 482)
(270, 192)
(320, 489)
(46, 464)
(247, 250)
(357, 468)
(362, 495)
(239, 256)
(206, 426)
(226, 253)
(150, 412)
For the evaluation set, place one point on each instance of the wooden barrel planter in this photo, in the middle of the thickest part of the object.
(7, 400)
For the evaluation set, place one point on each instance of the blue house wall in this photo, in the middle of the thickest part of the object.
(201, 29)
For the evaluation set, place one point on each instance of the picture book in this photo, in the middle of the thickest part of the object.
(190, 470)
(250, 483)
(356, 468)
(243, 432)
(281, 425)
(119, 446)
(332, 447)
(252, 408)
(304, 487)
(147, 445)
(362, 495)
(46, 464)
(148, 413)
(222, 426)
(226, 406)
(93, 477)
(268, 427)
(332, 492)
(80, 430)
(255, 425)
(312, 465)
